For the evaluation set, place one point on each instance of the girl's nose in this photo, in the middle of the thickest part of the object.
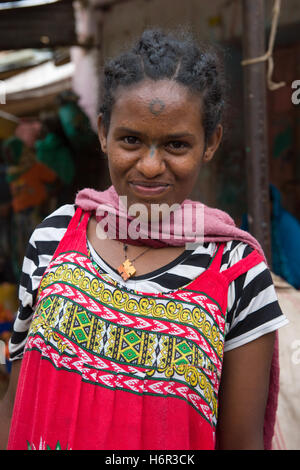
(151, 163)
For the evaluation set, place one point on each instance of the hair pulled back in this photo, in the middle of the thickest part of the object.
(159, 55)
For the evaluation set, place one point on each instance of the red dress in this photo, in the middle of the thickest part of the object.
(109, 368)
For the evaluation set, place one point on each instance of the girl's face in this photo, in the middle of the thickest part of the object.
(155, 142)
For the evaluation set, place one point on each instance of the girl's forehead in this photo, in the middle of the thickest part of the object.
(157, 100)
(148, 90)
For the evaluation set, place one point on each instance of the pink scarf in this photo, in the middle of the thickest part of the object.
(217, 227)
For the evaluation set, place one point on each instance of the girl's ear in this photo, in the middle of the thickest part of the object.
(102, 133)
(213, 143)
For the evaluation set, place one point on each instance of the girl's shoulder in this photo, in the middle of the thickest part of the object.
(243, 270)
(60, 217)
(53, 227)
(234, 251)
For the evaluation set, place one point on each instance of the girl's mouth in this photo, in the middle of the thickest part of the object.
(146, 188)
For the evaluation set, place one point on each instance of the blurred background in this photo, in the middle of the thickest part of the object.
(51, 55)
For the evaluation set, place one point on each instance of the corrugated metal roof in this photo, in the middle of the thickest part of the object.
(12, 60)
(41, 76)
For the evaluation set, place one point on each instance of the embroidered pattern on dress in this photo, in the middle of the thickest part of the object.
(168, 345)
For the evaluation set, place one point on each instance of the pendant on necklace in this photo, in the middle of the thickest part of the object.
(126, 269)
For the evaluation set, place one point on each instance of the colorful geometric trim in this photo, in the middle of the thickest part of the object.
(165, 344)
(169, 307)
(185, 382)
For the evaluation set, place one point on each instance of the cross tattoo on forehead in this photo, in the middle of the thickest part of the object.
(156, 106)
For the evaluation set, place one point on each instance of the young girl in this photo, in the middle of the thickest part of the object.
(140, 342)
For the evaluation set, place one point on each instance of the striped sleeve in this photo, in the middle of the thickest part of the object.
(41, 247)
(253, 309)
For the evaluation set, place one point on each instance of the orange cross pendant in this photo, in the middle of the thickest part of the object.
(126, 269)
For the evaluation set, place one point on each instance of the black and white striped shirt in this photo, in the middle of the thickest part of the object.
(252, 309)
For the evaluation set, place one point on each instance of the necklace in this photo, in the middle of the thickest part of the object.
(127, 269)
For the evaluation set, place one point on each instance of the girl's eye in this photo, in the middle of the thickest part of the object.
(177, 145)
(130, 140)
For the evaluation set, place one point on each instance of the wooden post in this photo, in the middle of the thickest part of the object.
(255, 121)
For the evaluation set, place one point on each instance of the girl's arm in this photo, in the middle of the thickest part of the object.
(243, 395)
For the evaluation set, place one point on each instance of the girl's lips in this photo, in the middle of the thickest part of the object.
(145, 189)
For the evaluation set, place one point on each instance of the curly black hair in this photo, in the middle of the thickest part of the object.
(159, 55)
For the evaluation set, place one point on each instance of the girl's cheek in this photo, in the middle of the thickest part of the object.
(186, 169)
(120, 161)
